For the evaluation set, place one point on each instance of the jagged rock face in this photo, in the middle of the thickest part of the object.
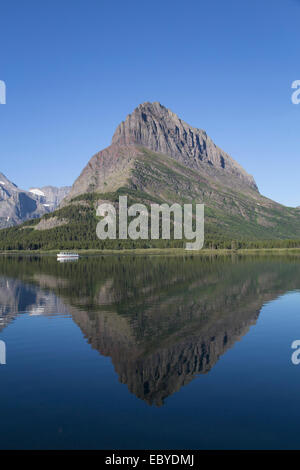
(53, 196)
(18, 205)
(106, 171)
(160, 130)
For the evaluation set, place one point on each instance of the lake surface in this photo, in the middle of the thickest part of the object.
(130, 352)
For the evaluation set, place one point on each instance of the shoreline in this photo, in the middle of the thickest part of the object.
(159, 251)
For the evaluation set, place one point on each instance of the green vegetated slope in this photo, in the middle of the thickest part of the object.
(233, 217)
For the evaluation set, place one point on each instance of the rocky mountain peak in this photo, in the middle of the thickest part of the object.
(51, 195)
(157, 128)
(5, 183)
(18, 205)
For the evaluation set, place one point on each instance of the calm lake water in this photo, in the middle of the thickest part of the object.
(156, 352)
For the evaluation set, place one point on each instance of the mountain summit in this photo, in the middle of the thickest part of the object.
(152, 127)
(155, 127)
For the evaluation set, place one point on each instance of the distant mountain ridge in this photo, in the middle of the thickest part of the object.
(18, 205)
(53, 195)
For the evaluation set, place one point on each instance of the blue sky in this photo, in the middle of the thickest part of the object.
(75, 69)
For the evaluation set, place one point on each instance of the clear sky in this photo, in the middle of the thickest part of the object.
(75, 68)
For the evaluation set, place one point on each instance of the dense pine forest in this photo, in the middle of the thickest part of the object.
(79, 233)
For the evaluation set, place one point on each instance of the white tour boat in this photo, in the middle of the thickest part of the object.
(64, 256)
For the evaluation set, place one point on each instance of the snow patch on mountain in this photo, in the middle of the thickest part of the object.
(36, 191)
(18, 205)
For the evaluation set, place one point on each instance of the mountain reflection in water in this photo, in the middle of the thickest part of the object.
(161, 320)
